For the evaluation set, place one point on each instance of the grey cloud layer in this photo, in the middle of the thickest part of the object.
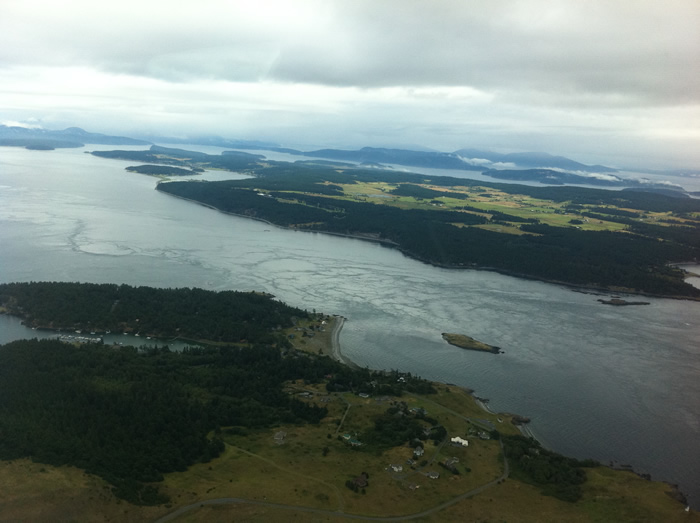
(602, 81)
(622, 53)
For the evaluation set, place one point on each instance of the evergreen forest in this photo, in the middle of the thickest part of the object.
(187, 313)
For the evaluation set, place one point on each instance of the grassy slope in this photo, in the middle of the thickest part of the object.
(297, 473)
(523, 206)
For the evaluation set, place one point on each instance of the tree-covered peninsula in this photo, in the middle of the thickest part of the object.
(187, 313)
(623, 241)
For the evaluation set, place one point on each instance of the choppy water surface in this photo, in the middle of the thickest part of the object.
(612, 383)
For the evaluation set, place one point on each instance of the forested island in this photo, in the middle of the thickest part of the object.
(624, 241)
(268, 421)
(229, 160)
(39, 144)
(467, 342)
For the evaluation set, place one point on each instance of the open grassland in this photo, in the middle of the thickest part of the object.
(42, 493)
(517, 502)
(297, 473)
(489, 199)
(310, 467)
(511, 502)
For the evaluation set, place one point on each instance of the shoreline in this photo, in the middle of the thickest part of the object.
(336, 354)
(505, 272)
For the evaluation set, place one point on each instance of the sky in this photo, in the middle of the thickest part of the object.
(615, 82)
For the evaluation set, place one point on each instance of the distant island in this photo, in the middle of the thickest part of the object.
(34, 138)
(551, 177)
(466, 342)
(619, 302)
(463, 159)
(156, 154)
(39, 144)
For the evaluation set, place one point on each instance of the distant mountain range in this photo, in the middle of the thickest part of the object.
(46, 139)
(531, 160)
(463, 159)
(215, 141)
(516, 167)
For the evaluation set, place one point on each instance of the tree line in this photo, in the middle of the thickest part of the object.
(190, 313)
(554, 474)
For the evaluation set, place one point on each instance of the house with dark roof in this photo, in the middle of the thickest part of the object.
(361, 481)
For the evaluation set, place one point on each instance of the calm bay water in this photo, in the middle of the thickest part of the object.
(611, 383)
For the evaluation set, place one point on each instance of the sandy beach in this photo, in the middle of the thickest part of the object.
(338, 322)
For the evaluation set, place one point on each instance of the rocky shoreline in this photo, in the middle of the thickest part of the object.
(467, 342)
(621, 303)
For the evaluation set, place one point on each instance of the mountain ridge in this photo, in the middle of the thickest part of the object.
(468, 159)
(69, 137)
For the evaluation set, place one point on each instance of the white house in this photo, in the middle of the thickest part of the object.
(459, 441)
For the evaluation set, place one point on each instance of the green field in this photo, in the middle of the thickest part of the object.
(311, 466)
(546, 211)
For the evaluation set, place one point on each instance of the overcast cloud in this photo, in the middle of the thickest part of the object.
(615, 82)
